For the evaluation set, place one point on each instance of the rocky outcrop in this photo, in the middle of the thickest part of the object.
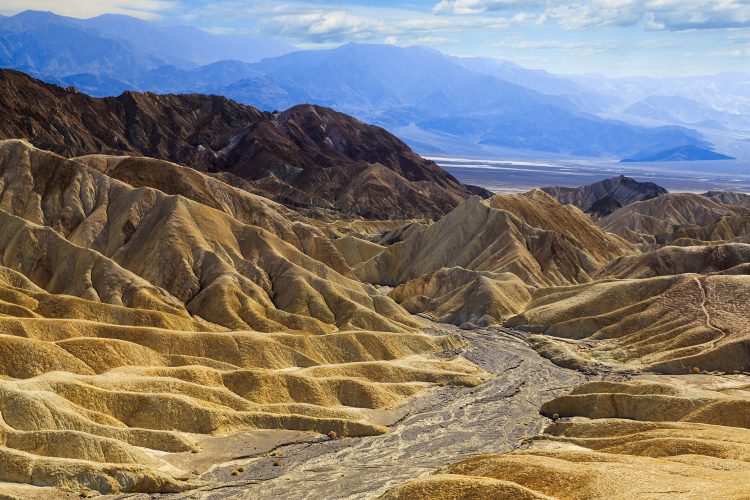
(603, 197)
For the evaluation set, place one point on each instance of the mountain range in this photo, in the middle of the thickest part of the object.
(439, 104)
(307, 156)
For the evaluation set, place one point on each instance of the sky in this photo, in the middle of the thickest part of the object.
(611, 37)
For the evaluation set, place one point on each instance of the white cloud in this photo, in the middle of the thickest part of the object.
(143, 9)
(326, 26)
(323, 26)
(739, 52)
(673, 15)
(479, 6)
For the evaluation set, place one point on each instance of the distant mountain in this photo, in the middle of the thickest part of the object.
(308, 156)
(439, 103)
(604, 197)
(585, 98)
(48, 45)
(187, 42)
(683, 110)
(424, 95)
(115, 52)
(682, 153)
(714, 101)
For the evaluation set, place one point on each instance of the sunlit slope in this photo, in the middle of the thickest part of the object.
(531, 235)
(626, 440)
(671, 323)
(673, 216)
(477, 264)
(230, 273)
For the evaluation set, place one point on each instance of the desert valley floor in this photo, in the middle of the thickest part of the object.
(202, 300)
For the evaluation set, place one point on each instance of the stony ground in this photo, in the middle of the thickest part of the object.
(442, 427)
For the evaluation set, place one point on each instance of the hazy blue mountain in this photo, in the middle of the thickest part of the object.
(187, 42)
(586, 98)
(683, 110)
(727, 93)
(682, 153)
(110, 53)
(421, 92)
(45, 44)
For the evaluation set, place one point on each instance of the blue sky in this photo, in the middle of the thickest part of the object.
(612, 37)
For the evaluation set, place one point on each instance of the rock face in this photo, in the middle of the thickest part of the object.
(604, 197)
(603, 207)
(726, 258)
(476, 265)
(307, 156)
(465, 298)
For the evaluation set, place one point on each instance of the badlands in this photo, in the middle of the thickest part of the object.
(201, 300)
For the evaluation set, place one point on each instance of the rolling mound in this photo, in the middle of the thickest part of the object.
(206, 259)
(464, 298)
(655, 221)
(476, 266)
(639, 440)
(729, 198)
(669, 324)
(658, 400)
(726, 229)
(242, 205)
(138, 316)
(729, 258)
(306, 156)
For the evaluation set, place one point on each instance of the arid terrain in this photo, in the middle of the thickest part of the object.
(202, 300)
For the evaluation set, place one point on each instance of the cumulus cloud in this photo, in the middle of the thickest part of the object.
(143, 9)
(673, 15)
(324, 25)
(338, 25)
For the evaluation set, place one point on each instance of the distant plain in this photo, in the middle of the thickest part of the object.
(500, 175)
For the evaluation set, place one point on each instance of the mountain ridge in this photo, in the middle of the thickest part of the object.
(307, 156)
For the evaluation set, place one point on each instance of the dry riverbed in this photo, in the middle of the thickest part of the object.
(431, 431)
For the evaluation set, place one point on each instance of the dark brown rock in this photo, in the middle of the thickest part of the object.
(307, 156)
